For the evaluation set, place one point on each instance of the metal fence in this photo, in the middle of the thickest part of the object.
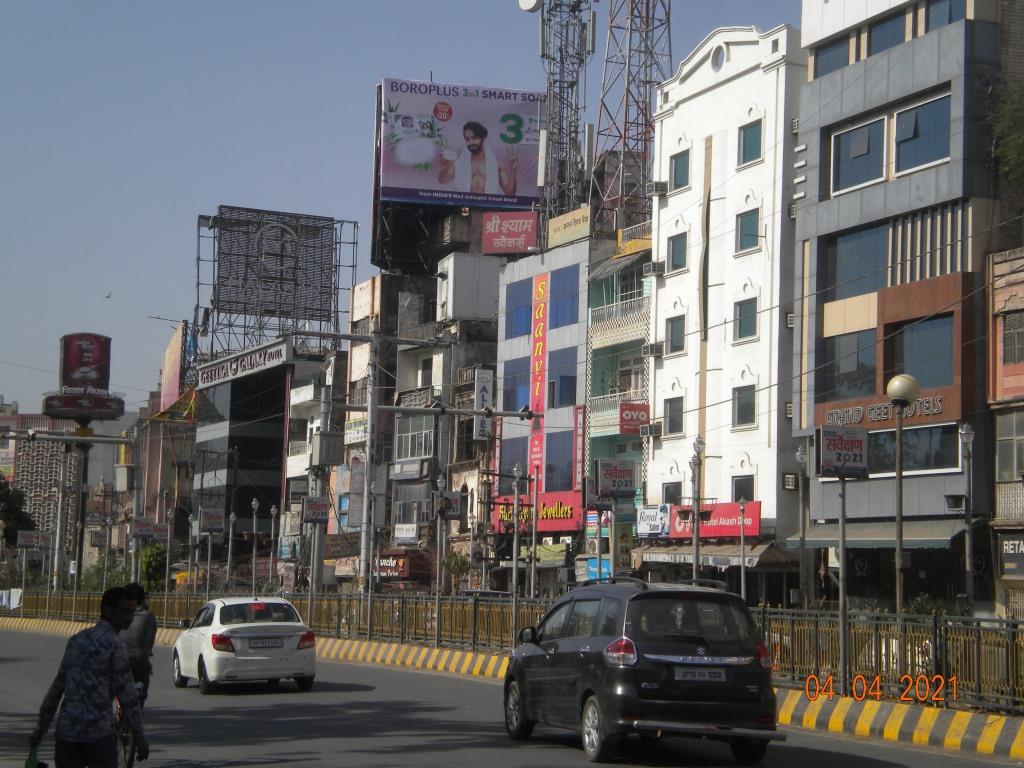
(948, 661)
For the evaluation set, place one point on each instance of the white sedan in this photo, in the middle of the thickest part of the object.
(236, 639)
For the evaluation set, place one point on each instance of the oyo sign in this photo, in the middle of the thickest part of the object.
(632, 416)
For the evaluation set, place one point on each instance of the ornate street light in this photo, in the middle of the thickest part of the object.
(902, 390)
(695, 468)
(801, 461)
(255, 511)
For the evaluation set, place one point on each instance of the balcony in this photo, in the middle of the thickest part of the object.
(298, 458)
(620, 322)
(603, 410)
(305, 399)
(633, 239)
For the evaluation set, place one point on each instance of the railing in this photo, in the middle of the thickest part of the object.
(621, 309)
(641, 231)
(603, 403)
(297, 447)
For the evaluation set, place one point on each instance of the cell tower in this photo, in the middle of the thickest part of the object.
(638, 56)
(567, 41)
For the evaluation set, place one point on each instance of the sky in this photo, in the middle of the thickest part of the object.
(123, 121)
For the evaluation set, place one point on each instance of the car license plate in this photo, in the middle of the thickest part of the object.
(267, 642)
(700, 674)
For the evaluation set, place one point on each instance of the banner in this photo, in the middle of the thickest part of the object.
(652, 522)
(85, 360)
(170, 372)
(538, 370)
(843, 451)
(509, 232)
(724, 522)
(578, 446)
(616, 478)
(458, 145)
(632, 416)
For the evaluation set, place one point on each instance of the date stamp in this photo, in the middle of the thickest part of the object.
(910, 689)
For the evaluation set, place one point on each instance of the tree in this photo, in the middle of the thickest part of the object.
(154, 567)
(457, 565)
(13, 514)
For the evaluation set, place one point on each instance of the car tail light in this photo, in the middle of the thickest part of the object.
(308, 640)
(622, 652)
(222, 643)
(763, 657)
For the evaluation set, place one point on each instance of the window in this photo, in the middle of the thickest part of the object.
(743, 487)
(426, 372)
(847, 366)
(924, 349)
(677, 252)
(414, 437)
(1009, 446)
(631, 284)
(923, 448)
(516, 384)
(831, 57)
(610, 622)
(565, 296)
(744, 318)
(581, 620)
(675, 334)
(943, 12)
(886, 33)
(680, 170)
(750, 142)
(513, 451)
(672, 493)
(855, 263)
(744, 411)
(518, 308)
(674, 416)
(747, 225)
(1013, 338)
(562, 377)
(554, 624)
(629, 373)
(858, 156)
(922, 134)
(558, 460)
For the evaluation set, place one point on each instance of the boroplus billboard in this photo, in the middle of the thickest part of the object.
(446, 144)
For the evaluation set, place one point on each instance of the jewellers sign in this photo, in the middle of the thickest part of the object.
(244, 363)
(843, 452)
(924, 406)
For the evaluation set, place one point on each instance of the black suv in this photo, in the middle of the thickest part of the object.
(625, 656)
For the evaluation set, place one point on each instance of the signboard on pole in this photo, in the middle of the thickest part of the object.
(652, 522)
(213, 521)
(142, 529)
(616, 478)
(405, 533)
(843, 452)
(316, 509)
(98, 539)
(483, 397)
(159, 531)
(33, 540)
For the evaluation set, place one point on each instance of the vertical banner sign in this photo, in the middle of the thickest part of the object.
(538, 368)
(483, 397)
(578, 447)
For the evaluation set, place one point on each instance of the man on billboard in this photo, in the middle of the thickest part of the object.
(477, 169)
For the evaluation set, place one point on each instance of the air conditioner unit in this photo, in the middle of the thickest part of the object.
(794, 126)
(654, 269)
(565, 539)
(657, 188)
(651, 430)
(591, 546)
(790, 320)
(789, 410)
(653, 350)
(547, 541)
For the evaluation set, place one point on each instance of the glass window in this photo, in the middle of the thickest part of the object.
(558, 460)
(672, 493)
(744, 411)
(1013, 338)
(858, 156)
(426, 372)
(513, 451)
(553, 626)
(565, 296)
(743, 487)
(846, 367)
(922, 134)
(1009, 447)
(887, 33)
(680, 170)
(675, 334)
(924, 349)
(516, 384)
(674, 416)
(518, 308)
(831, 57)
(750, 142)
(677, 252)
(744, 319)
(610, 621)
(696, 618)
(923, 448)
(581, 620)
(943, 12)
(747, 230)
(562, 377)
(855, 263)
(414, 437)
(631, 284)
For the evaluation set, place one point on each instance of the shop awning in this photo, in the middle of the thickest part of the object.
(917, 534)
(720, 555)
(611, 266)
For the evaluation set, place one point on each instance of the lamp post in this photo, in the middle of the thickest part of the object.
(255, 510)
(902, 390)
(801, 462)
(743, 549)
(967, 441)
(273, 540)
(439, 513)
(191, 517)
(695, 468)
(231, 548)
(517, 472)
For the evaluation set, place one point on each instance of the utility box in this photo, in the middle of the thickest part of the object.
(469, 288)
(327, 449)
(124, 478)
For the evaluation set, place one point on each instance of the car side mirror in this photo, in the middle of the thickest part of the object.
(528, 635)
(183, 624)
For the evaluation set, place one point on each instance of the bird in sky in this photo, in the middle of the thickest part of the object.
(107, 296)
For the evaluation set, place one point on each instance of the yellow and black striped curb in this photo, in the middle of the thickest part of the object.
(951, 729)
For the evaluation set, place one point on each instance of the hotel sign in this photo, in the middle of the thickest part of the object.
(244, 363)
(924, 406)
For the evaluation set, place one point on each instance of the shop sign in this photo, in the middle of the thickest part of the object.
(316, 510)
(407, 470)
(98, 539)
(1011, 554)
(724, 521)
(632, 416)
(483, 398)
(578, 446)
(509, 232)
(923, 406)
(538, 368)
(34, 539)
(392, 567)
(652, 522)
(559, 511)
(843, 451)
(244, 363)
(405, 533)
(569, 227)
(213, 521)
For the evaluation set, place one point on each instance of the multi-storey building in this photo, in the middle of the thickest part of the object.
(37, 470)
(895, 211)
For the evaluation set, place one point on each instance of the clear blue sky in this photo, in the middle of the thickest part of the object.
(124, 120)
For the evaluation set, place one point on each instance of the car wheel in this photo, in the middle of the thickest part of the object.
(516, 724)
(206, 686)
(305, 684)
(596, 743)
(179, 680)
(748, 751)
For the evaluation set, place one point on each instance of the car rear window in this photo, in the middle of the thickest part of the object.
(247, 613)
(689, 617)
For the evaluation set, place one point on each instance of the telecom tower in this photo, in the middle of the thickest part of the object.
(638, 56)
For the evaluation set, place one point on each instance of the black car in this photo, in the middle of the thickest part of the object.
(625, 656)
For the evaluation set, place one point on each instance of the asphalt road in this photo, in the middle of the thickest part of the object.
(370, 716)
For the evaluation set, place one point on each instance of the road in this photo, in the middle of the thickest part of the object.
(370, 716)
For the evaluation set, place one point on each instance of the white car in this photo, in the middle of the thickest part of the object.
(237, 639)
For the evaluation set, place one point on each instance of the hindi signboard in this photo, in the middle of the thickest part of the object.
(316, 509)
(509, 232)
(33, 540)
(483, 398)
(843, 452)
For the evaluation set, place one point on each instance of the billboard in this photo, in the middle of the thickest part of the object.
(616, 478)
(843, 452)
(505, 232)
(85, 361)
(458, 145)
(170, 372)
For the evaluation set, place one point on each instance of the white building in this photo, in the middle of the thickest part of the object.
(723, 249)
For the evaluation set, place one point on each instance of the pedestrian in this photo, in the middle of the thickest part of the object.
(93, 671)
(139, 639)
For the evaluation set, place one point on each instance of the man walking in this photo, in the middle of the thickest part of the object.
(139, 639)
(93, 671)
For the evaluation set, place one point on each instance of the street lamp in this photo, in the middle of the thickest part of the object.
(967, 441)
(902, 390)
(255, 511)
(695, 467)
(743, 549)
(439, 513)
(801, 462)
(517, 472)
(231, 546)
(273, 542)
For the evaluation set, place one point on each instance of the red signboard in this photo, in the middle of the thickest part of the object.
(85, 360)
(724, 522)
(559, 511)
(578, 446)
(509, 232)
(538, 368)
(632, 416)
